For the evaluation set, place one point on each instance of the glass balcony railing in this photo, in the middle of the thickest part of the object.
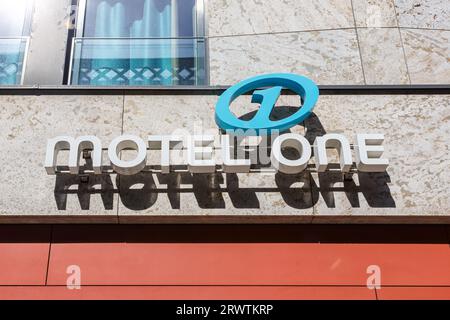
(12, 60)
(138, 61)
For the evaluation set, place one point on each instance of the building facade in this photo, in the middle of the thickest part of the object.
(107, 68)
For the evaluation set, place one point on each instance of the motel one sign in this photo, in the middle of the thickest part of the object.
(199, 155)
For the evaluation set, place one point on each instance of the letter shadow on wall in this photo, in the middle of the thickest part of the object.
(372, 185)
(140, 192)
(84, 187)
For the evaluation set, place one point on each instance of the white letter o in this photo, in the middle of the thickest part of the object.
(290, 140)
(127, 167)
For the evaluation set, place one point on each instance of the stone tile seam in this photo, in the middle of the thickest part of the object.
(401, 41)
(276, 32)
(404, 55)
(359, 43)
(321, 30)
(421, 28)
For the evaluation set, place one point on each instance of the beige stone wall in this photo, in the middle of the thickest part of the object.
(331, 41)
(414, 188)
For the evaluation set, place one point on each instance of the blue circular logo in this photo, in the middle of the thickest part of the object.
(304, 87)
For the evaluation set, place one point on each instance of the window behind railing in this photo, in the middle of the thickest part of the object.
(139, 42)
(14, 38)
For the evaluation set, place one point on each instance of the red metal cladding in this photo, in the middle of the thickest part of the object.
(189, 293)
(24, 254)
(414, 293)
(251, 264)
(118, 262)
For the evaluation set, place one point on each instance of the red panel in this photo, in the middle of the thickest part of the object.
(414, 293)
(188, 293)
(24, 254)
(250, 264)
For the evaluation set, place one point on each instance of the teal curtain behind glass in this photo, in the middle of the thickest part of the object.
(152, 55)
(110, 58)
(9, 63)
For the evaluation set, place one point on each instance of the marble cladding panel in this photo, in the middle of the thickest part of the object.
(144, 115)
(27, 192)
(251, 37)
(383, 56)
(237, 17)
(328, 57)
(374, 13)
(430, 14)
(415, 186)
(428, 55)
(416, 130)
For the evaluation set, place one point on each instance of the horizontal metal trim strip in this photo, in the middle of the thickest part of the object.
(217, 90)
(176, 219)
